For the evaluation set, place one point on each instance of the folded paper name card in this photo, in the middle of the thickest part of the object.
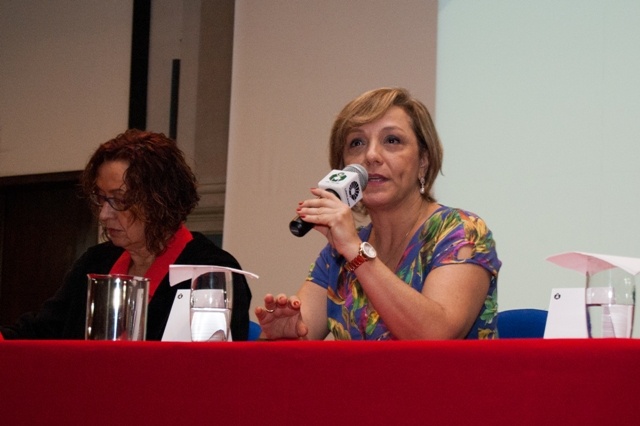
(566, 317)
(604, 307)
(590, 263)
(178, 328)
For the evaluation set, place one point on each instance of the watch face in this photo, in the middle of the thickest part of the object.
(368, 251)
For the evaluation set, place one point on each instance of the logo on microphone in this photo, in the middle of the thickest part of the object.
(354, 190)
(338, 177)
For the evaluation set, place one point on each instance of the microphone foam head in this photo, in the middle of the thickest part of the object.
(363, 176)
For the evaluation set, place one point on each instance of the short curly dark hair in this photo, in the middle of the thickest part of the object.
(161, 187)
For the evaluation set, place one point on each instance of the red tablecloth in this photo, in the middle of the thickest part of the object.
(506, 382)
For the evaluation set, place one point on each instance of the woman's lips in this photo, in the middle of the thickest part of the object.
(373, 179)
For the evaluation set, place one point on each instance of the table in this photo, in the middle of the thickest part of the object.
(502, 382)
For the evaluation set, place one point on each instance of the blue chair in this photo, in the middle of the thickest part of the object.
(522, 323)
(254, 330)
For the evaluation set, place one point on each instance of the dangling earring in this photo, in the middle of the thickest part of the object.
(422, 186)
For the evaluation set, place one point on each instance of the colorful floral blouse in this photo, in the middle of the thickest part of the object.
(436, 243)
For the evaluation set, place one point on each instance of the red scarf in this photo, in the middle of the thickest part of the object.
(160, 266)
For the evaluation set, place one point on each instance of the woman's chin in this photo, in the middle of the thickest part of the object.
(116, 238)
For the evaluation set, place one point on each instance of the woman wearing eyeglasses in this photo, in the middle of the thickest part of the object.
(142, 191)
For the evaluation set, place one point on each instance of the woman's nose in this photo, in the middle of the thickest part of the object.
(105, 211)
(372, 153)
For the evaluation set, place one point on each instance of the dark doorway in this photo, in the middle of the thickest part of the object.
(44, 226)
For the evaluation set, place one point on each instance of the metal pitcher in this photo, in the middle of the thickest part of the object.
(116, 307)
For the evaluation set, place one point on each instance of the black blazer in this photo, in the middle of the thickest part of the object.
(63, 316)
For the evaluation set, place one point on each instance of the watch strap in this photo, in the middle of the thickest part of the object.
(355, 262)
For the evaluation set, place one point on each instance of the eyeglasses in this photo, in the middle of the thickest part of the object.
(117, 204)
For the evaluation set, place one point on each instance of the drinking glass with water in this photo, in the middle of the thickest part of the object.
(610, 300)
(211, 303)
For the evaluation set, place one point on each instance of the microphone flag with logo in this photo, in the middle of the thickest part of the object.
(346, 184)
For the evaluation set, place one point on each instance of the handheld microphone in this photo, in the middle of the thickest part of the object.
(346, 184)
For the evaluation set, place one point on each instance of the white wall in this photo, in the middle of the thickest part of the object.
(64, 81)
(296, 63)
(538, 107)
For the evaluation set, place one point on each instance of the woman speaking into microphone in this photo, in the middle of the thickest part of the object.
(419, 269)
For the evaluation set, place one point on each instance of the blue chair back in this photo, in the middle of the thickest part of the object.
(522, 323)
(254, 330)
